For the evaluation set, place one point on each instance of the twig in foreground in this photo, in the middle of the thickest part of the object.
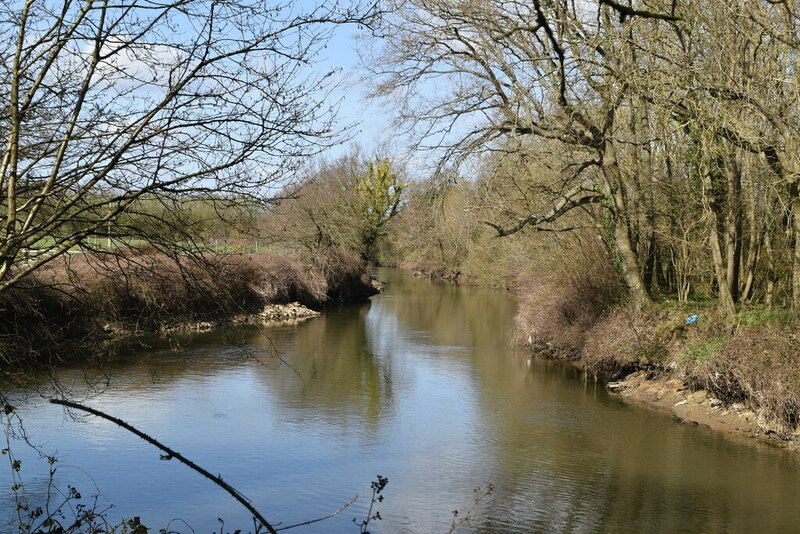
(304, 523)
(173, 454)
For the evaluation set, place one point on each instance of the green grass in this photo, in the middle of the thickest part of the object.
(704, 349)
(763, 316)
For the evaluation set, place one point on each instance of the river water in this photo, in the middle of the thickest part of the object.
(421, 386)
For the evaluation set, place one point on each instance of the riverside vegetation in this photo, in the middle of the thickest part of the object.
(620, 166)
(321, 239)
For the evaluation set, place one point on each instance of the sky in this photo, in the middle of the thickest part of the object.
(374, 117)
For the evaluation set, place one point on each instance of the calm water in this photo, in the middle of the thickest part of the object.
(420, 386)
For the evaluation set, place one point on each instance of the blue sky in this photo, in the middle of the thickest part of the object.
(374, 117)
(375, 129)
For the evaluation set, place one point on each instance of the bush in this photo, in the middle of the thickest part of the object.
(33, 317)
(559, 304)
(621, 342)
(759, 364)
(80, 298)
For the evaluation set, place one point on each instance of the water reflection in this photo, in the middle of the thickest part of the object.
(339, 380)
(421, 386)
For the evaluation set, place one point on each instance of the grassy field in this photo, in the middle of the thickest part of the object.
(216, 246)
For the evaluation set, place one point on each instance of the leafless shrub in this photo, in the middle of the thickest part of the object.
(758, 364)
(32, 317)
(560, 303)
(618, 343)
(81, 298)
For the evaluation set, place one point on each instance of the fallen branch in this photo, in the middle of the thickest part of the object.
(178, 456)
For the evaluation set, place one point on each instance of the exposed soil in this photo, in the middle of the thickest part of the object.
(668, 393)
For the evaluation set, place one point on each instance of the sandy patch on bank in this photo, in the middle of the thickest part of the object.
(698, 407)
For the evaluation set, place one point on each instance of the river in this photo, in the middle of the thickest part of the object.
(421, 386)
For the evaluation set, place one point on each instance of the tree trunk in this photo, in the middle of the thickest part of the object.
(733, 227)
(794, 192)
(626, 254)
(630, 265)
(754, 250)
(713, 208)
(770, 274)
(755, 242)
(725, 296)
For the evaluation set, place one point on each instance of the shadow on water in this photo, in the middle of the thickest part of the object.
(421, 385)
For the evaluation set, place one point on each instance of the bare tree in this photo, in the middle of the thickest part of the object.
(552, 70)
(673, 116)
(108, 103)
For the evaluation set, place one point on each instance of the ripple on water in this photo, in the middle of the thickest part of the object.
(419, 386)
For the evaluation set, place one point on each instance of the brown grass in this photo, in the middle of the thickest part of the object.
(76, 299)
(560, 305)
(760, 364)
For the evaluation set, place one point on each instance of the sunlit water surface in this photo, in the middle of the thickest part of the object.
(421, 386)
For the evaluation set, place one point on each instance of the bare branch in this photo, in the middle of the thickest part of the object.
(575, 197)
(170, 453)
(628, 11)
